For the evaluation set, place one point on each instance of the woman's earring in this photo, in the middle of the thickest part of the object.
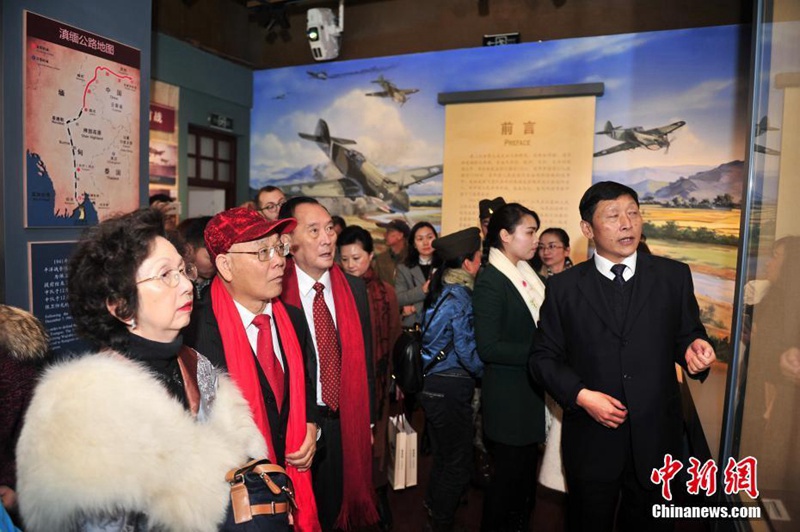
(132, 324)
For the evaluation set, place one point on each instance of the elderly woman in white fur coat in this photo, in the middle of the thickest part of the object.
(138, 435)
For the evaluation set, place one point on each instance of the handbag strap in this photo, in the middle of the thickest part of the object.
(433, 314)
(258, 465)
(442, 354)
(187, 362)
(232, 475)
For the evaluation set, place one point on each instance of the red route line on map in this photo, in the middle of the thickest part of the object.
(76, 170)
(96, 70)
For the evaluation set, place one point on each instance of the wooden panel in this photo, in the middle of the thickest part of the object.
(375, 28)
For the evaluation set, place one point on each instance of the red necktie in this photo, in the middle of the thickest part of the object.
(265, 353)
(330, 356)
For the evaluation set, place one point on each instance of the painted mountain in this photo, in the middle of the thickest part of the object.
(664, 184)
(727, 178)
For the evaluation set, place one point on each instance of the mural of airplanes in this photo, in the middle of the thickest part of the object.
(361, 177)
(390, 90)
(323, 75)
(638, 137)
(761, 128)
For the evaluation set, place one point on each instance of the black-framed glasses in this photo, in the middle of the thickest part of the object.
(172, 278)
(272, 207)
(550, 247)
(267, 253)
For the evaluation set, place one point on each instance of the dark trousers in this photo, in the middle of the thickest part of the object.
(509, 501)
(592, 505)
(448, 413)
(327, 472)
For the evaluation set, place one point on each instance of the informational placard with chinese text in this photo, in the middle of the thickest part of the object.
(48, 293)
(536, 152)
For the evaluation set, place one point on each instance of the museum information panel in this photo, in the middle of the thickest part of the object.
(534, 152)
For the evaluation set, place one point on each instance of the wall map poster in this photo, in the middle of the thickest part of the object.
(82, 103)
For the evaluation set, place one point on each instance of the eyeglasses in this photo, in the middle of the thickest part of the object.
(272, 207)
(172, 278)
(550, 247)
(267, 254)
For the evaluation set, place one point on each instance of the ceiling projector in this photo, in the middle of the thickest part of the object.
(324, 33)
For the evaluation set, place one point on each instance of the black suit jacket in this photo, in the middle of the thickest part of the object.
(203, 334)
(359, 289)
(579, 345)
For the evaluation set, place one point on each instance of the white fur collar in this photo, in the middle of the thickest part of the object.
(102, 435)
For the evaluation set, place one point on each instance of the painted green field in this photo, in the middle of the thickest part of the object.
(712, 259)
(725, 222)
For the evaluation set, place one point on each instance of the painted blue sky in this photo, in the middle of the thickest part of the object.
(651, 79)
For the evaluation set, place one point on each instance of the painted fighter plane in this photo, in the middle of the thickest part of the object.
(323, 75)
(390, 90)
(637, 137)
(361, 177)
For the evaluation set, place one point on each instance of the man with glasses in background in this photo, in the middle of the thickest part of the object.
(243, 328)
(269, 201)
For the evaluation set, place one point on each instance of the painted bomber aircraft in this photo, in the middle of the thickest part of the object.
(390, 90)
(638, 137)
(361, 177)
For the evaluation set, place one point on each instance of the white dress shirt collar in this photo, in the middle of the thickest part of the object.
(247, 316)
(305, 283)
(251, 330)
(604, 265)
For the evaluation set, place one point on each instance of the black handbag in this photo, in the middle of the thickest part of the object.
(407, 368)
(407, 360)
(262, 497)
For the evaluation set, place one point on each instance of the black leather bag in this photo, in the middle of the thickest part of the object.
(407, 367)
(262, 497)
(407, 360)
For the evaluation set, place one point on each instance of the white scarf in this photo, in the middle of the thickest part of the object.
(524, 279)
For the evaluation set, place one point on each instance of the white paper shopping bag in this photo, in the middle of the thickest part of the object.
(397, 453)
(411, 454)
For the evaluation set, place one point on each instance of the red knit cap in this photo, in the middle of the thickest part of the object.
(241, 225)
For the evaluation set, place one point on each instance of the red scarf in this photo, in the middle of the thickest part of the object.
(242, 369)
(358, 504)
(385, 318)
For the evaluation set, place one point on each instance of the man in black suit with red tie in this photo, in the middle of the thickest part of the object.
(611, 330)
(334, 307)
(244, 329)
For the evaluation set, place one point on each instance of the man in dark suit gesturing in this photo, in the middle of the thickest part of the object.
(611, 331)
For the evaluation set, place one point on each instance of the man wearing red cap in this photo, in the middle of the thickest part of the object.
(243, 328)
(336, 312)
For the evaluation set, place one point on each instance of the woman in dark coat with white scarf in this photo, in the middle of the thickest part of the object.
(507, 298)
